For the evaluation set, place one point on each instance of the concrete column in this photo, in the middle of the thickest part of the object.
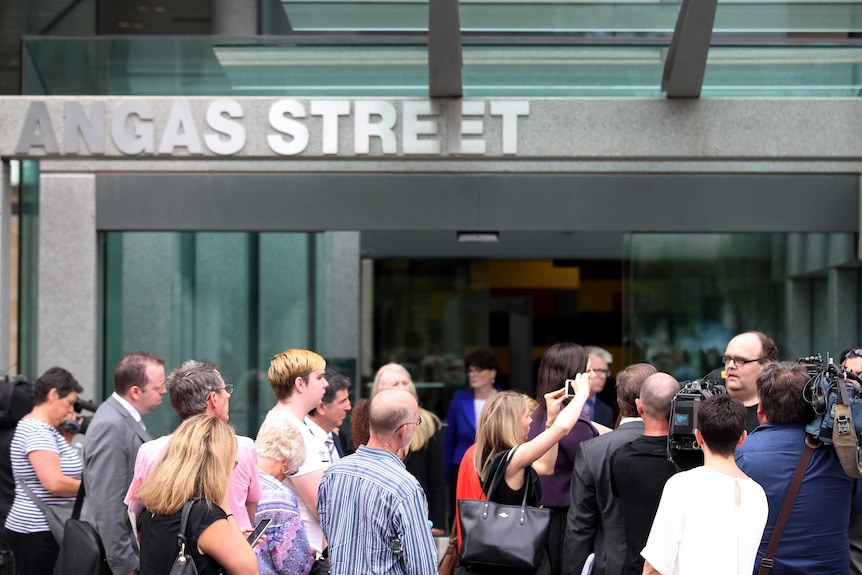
(843, 306)
(236, 18)
(68, 271)
(6, 362)
(338, 301)
(797, 314)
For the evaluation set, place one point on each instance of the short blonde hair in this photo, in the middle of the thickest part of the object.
(286, 366)
(197, 462)
(424, 432)
(281, 441)
(500, 426)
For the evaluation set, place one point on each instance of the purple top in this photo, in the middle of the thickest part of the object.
(555, 488)
(285, 550)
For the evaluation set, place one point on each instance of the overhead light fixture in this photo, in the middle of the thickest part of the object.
(478, 237)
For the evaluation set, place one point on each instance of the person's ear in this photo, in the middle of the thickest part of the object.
(698, 436)
(640, 406)
(742, 438)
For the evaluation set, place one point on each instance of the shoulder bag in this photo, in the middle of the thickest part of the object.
(55, 515)
(184, 564)
(81, 552)
(500, 535)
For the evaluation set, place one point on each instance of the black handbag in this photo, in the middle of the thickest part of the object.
(81, 552)
(500, 535)
(321, 564)
(184, 564)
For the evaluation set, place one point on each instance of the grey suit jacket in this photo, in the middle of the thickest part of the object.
(112, 443)
(595, 521)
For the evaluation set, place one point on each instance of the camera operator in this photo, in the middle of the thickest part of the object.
(815, 539)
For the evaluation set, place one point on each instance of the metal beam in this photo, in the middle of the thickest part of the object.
(444, 50)
(689, 47)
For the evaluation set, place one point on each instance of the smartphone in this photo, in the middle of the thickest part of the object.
(571, 384)
(258, 531)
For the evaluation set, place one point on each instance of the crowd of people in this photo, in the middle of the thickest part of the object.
(618, 503)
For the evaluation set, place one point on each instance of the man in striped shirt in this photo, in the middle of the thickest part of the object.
(372, 510)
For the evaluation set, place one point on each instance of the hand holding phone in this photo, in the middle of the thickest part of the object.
(571, 385)
(255, 535)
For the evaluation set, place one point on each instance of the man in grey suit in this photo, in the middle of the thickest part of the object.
(112, 441)
(595, 521)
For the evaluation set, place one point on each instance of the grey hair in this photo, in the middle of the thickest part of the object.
(190, 384)
(601, 352)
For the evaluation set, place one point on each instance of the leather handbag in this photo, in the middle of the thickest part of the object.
(321, 564)
(184, 564)
(450, 556)
(500, 535)
(81, 552)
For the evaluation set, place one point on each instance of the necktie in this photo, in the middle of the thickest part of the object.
(330, 445)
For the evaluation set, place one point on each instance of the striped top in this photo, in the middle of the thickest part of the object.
(375, 517)
(34, 435)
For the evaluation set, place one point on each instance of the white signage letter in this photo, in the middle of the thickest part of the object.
(218, 114)
(180, 131)
(330, 110)
(37, 131)
(143, 142)
(77, 122)
(510, 112)
(364, 129)
(296, 130)
(412, 127)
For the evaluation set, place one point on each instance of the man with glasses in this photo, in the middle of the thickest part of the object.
(197, 387)
(112, 442)
(373, 511)
(595, 409)
(744, 358)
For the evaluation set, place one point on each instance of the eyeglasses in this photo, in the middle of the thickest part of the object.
(417, 423)
(853, 352)
(228, 387)
(605, 372)
(737, 361)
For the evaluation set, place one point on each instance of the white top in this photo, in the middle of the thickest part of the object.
(707, 523)
(316, 459)
(478, 404)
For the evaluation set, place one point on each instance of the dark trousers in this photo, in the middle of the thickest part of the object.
(35, 553)
(556, 533)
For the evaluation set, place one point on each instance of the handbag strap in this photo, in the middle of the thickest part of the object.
(43, 507)
(768, 561)
(79, 501)
(184, 520)
(500, 473)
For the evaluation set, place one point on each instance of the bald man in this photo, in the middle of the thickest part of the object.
(640, 469)
(372, 510)
(744, 358)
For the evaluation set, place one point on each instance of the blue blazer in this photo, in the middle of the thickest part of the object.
(460, 429)
(603, 413)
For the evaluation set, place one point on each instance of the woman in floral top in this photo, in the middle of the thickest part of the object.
(285, 551)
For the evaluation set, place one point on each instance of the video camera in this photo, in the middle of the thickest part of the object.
(835, 397)
(682, 447)
(73, 426)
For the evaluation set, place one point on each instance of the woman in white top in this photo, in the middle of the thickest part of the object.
(49, 466)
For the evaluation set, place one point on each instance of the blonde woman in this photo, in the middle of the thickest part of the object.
(195, 465)
(280, 452)
(505, 423)
(424, 460)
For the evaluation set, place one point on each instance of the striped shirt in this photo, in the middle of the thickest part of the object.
(34, 435)
(375, 517)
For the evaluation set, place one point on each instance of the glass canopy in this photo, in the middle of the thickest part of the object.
(562, 48)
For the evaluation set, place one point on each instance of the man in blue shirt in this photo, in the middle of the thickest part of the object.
(815, 538)
(372, 510)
